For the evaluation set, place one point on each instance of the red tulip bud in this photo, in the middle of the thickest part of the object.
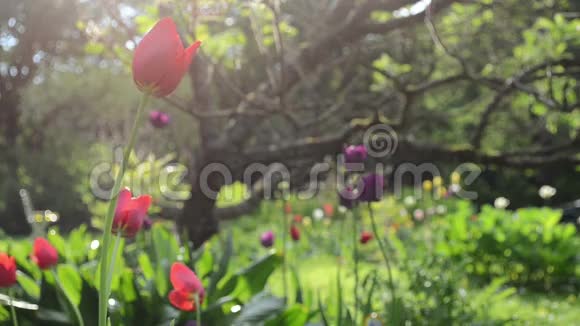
(7, 271)
(365, 236)
(295, 233)
(160, 60)
(130, 213)
(43, 254)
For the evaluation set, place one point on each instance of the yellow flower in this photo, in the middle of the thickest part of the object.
(442, 192)
(307, 221)
(455, 177)
(437, 181)
(427, 185)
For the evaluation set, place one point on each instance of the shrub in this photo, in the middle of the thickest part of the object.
(528, 246)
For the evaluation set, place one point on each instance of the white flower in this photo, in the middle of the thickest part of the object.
(342, 209)
(409, 201)
(547, 192)
(501, 203)
(441, 209)
(454, 188)
(318, 214)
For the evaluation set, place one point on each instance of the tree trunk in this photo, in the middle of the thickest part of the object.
(197, 218)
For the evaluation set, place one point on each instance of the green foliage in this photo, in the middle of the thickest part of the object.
(432, 258)
(529, 247)
(551, 38)
(141, 285)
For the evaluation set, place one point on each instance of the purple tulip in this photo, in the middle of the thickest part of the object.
(355, 154)
(159, 119)
(372, 188)
(347, 198)
(147, 223)
(267, 239)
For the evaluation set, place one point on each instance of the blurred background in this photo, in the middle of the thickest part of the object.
(449, 87)
(494, 83)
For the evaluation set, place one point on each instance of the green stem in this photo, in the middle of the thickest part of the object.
(284, 250)
(385, 257)
(197, 310)
(113, 260)
(355, 257)
(72, 304)
(105, 254)
(12, 310)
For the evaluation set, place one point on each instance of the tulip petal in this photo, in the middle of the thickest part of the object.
(7, 270)
(123, 200)
(155, 57)
(183, 278)
(44, 254)
(174, 72)
(190, 52)
(141, 204)
(181, 300)
(133, 223)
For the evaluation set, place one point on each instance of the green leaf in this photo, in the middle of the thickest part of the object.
(259, 309)
(321, 309)
(48, 294)
(204, 265)
(89, 304)
(296, 315)
(70, 281)
(222, 269)
(166, 250)
(295, 276)
(368, 307)
(29, 285)
(127, 289)
(58, 242)
(252, 279)
(145, 266)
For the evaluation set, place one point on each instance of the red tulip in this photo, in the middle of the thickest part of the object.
(130, 213)
(160, 60)
(295, 233)
(43, 254)
(328, 210)
(7, 271)
(186, 285)
(298, 218)
(365, 236)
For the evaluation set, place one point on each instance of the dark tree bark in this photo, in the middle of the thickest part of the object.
(197, 218)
